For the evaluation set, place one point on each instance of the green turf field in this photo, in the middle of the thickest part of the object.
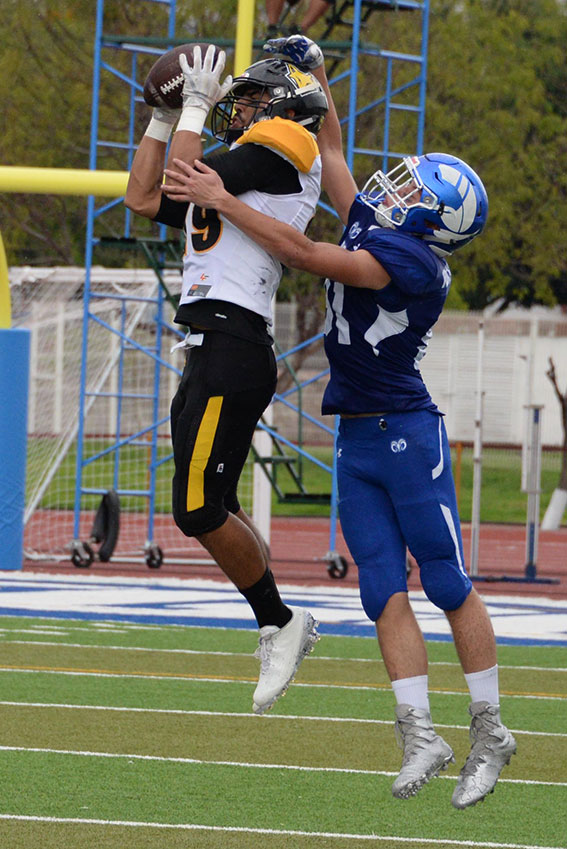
(120, 736)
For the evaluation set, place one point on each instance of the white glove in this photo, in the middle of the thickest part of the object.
(201, 87)
(162, 121)
(301, 50)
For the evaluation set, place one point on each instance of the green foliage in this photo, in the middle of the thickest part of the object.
(502, 110)
(45, 89)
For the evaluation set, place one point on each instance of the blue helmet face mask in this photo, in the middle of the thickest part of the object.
(436, 197)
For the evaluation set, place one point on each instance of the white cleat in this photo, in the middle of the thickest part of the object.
(492, 747)
(425, 752)
(281, 650)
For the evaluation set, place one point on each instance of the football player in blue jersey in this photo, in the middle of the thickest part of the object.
(386, 286)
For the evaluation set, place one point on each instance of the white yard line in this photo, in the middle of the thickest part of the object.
(283, 832)
(247, 765)
(242, 680)
(248, 654)
(253, 717)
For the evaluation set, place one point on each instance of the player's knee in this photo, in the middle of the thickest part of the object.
(444, 584)
(193, 523)
(374, 597)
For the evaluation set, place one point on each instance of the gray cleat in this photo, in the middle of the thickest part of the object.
(492, 747)
(425, 752)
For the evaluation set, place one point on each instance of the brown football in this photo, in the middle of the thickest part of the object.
(164, 82)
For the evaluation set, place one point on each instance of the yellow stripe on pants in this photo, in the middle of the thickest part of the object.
(202, 452)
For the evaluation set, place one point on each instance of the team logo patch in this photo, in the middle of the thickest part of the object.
(398, 445)
(198, 290)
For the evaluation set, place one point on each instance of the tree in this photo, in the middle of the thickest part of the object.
(45, 83)
(500, 107)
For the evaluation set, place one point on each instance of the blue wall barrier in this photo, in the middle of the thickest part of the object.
(14, 383)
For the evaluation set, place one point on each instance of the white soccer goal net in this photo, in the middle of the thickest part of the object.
(124, 406)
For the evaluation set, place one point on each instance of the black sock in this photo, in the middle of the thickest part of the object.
(264, 599)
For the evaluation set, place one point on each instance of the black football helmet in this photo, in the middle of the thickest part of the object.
(288, 88)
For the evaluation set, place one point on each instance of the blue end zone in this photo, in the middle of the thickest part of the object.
(339, 630)
(209, 604)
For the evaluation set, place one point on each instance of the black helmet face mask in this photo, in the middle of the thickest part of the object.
(284, 91)
(243, 106)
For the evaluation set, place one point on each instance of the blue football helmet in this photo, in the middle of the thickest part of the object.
(435, 196)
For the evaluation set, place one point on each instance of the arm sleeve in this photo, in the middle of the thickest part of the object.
(171, 212)
(252, 166)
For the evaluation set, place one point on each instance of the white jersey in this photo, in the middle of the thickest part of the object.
(224, 264)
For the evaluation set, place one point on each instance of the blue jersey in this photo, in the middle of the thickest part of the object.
(374, 339)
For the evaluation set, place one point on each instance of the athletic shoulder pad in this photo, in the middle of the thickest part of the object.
(285, 137)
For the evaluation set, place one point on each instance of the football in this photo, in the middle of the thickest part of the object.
(164, 83)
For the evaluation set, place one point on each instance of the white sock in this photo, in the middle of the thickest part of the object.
(483, 686)
(412, 691)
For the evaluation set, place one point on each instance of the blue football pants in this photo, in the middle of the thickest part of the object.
(396, 490)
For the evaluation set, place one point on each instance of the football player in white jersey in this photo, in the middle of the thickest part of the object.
(269, 117)
(386, 286)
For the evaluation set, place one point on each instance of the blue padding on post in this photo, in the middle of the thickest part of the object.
(14, 380)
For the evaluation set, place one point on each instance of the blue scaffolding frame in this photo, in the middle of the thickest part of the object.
(348, 56)
(81, 552)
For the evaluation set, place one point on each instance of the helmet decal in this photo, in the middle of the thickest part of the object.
(461, 219)
(298, 78)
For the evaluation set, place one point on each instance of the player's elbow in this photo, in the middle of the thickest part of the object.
(140, 205)
(145, 203)
(132, 203)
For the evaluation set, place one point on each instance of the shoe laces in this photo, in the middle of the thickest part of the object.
(411, 735)
(264, 649)
(484, 729)
(484, 737)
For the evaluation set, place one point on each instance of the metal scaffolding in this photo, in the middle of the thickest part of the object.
(382, 93)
